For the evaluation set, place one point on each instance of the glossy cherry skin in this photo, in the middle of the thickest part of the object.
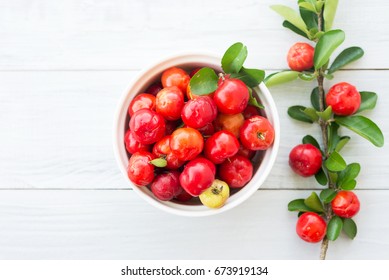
(207, 130)
(300, 57)
(220, 146)
(231, 123)
(197, 176)
(186, 143)
(162, 149)
(256, 133)
(236, 172)
(199, 112)
(344, 99)
(250, 111)
(166, 186)
(169, 103)
(148, 126)
(154, 88)
(311, 227)
(141, 101)
(132, 145)
(140, 171)
(245, 152)
(183, 196)
(231, 97)
(345, 204)
(305, 160)
(175, 77)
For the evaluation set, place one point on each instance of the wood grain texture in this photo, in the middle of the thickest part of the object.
(121, 34)
(119, 225)
(58, 128)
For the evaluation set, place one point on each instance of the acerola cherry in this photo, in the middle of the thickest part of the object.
(311, 227)
(166, 186)
(300, 57)
(162, 149)
(257, 133)
(141, 101)
(231, 123)
(169, 103)
(199, 112)
(345, 204)
(245, 152)
(220, 146)
(154, 88)
(132, 145)
(175, 77)
(148, 126)
(197, 176)
(140, 171)
(183, 196)
(250, 111)
(305, 160)
(344, 99)
(186, 143)
(232, 96)
(207, 130)
(236, 171)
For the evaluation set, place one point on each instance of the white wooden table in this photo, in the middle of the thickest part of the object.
(63, 67)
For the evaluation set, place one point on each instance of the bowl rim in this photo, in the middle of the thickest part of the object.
(156, 68)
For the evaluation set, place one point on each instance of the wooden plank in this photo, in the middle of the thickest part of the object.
(105, 34)
(57, 130)
(119, 225)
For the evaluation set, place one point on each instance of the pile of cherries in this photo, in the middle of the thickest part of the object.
(181, 143)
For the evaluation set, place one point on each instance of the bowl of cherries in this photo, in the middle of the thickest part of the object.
(195, 134)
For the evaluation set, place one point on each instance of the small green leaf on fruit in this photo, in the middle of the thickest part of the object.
(321, 177)
(315, 99)
(298, 205)
(350, 228)
(309, 139)
(364, 127)
(326, 114)
(335, 162)
(368, 100)
(159, 162)
(281, 77)
(334, 228)
(297, 113)
(326, 45)
(234, 58)
(327, 195)
(204, 81)
(313, 202)
(345, 57)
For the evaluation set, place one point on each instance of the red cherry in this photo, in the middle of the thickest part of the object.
(162, 149)
(197, 176)
(141, 101)
(140, 171)
(194, 71)
(186, 143)
(132, 145)
(344, 99)
(220, 146)
(175, 77)
(305, 160)
(166, 186)
(183, 196)
(169, 103)
(236, 172)
(300, 57)
(250, 111)
(231, 123)
(154, 88)
(245, 152)
(345, 204)
(231, 97)
(257, 133)
(207, 130)
(311, 227)
(147, 126)
(199, 112)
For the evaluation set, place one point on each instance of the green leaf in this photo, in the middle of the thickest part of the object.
(364, 127)
(319, 5)
(290, 15)
(326, 45)
(204, 81)
(335, 162)
(315, 99)
(342, 142)
(251, 77)
(327, 195)
(308, 6)
(368, 100)
(311, 113)
(329, 13)
(307, 76)
(345, 57)
(334, 228)
(253, 101)
(308, 139)
(326, 114)
(310, 19)
(313, 202)
(350, 228)
(298, 205)
(290, 26)
(297, 113)
(321, 177)
(281, 77)
(333, 176)
(349, 173)
(234, 58)
(349, 185)
(333, 137)
(159, 162)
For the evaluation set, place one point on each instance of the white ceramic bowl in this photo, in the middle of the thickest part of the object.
(151, 75)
